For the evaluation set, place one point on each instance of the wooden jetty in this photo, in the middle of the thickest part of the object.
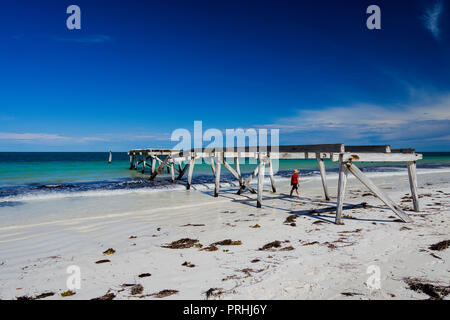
(177, 162)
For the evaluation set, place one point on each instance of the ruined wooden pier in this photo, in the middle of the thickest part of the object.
(177, 162)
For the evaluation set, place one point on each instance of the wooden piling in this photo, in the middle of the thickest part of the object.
(412, 174)
(191, 170)
(260, 182)
(272, 179)
(341, 190)
(321, 163)
(131, 162)
(217, 178)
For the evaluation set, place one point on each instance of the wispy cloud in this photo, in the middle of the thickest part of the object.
(369, 123)
(432, 18)
(97, 38)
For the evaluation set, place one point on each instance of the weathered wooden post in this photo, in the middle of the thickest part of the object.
(272, 179)
(412, 174)
(137, 162)
(217, 176)
(172, 171)
(153, 163)
(191, 170)
(321, 163)
(247, 181)
(238, 170)
(144, 163)
(131, 161)
(260, 180)
(341, 189)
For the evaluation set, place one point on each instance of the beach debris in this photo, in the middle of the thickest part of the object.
(290, 248)
(227, 242)
(351, 231)
(102, 261)
(255, 260)
(291, 219)
(132, 237)
(109, 251)
(39, 296)
(255, 226)
(193, 225)
(367, 194)
(440, 245)
(67, 293)
(350, 294)
(188, 264)
(228, 211)
(435, 292)
(181, 244)
(310, 243)
(365, 205)
(164, 293)
(210, 248)
(107, 296)
(271, 245)
(144, 275)
(404, 228)
(213, 292)
(318, 222)
(435, 256)
(136, 289)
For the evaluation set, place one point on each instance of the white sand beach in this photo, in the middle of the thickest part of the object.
(315, 259)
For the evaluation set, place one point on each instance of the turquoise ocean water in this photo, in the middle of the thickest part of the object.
(65, 172)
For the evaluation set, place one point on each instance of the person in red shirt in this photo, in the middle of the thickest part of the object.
(294, 183)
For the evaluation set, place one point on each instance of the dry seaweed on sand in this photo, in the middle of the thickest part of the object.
(271, 245)
(67, 293)
(255, 226)
(109, 251)
(290, 248)
(106, 296)
(210, 248)
(227, 242)
(39, 296)
(181, 244)
(188, 264)
(255, 260)
(136, 289)
(193, 225)
(350, 294)
(318, 222)
(310, 243)
(213, 292)
(143, 275)
(440, 245)
(164, 293)
(365, 205)
(102, 261)
(435, 292)
(290, 219)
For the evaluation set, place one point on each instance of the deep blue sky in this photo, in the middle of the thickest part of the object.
(139, 69)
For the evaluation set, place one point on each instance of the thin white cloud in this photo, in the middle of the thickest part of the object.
(369, 123)
(432, 18)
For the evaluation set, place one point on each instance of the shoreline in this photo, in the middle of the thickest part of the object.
(34, 257)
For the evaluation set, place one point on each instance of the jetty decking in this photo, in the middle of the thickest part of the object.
(172, 160)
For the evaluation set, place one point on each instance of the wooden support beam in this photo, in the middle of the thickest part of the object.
(412, 174)
(191, 170)
(247, 181)
(321, 163)
(144, 162)
(383, 148)
(182, 172)
(261, 166)
(233, 171)
(217, 178)
(172, 172)
(211, 162)
(238, 170)
(338, 147)
(376, 191)
(377, 156)
(137, 162)
(272, 179)
(342, 182)
(153, 164)
(131, 162)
